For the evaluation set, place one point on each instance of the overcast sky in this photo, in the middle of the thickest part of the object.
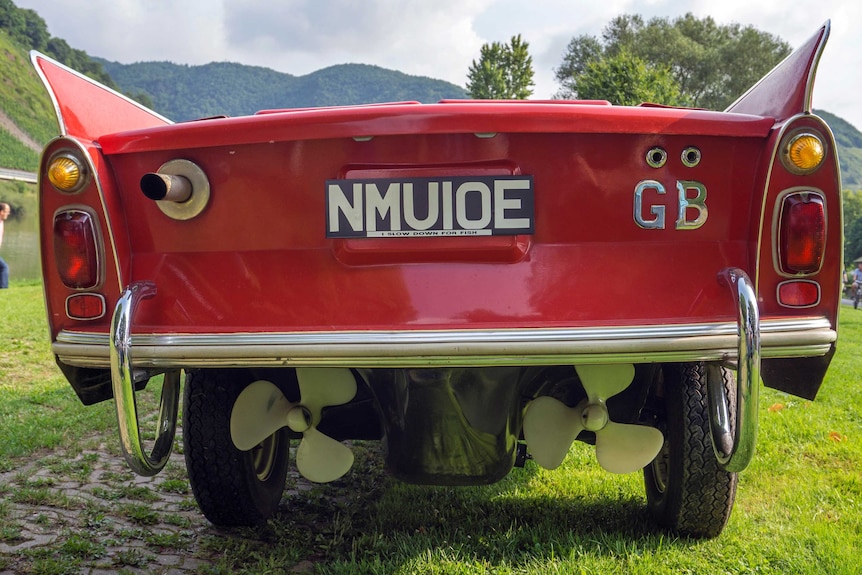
(435, 38)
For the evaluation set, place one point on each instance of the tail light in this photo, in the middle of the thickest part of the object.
(67, 172)
(76, 249)
(85, 306)
(799, 293)
(801, 233)
(803, 153)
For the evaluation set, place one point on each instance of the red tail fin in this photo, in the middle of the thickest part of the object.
(786, 90)
(86, 109)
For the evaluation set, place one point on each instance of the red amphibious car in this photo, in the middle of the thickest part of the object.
(473, 283)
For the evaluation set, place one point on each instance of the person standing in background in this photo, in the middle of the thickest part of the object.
(4, 268)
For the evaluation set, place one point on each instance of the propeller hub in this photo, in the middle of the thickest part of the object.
(595, 417)
(298, 419)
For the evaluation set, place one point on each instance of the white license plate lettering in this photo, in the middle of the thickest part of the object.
(422, 207)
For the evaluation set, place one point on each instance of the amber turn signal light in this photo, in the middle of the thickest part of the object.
(804, 153)
(66, 172)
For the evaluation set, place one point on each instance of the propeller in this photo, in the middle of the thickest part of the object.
(262, 409)
(550, 426)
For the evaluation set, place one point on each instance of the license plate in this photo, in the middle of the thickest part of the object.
(422, 207)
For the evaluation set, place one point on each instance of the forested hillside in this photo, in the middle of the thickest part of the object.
(27, 119)
(849, 141)
(182, 92)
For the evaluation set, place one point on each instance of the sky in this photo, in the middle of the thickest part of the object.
(434, 38)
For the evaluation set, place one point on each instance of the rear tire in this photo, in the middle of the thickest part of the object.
(232, 487)
(687, 492)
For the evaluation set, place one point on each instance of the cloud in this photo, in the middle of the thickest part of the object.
(414, 36)
(135, 30)
(437, 39)
(315, 26)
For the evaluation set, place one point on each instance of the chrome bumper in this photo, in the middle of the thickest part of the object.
(734, 444)
(123, 384)
(743, 343)
(804, 337)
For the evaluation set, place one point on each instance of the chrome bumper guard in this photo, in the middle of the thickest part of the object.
(122, 381)
(733, 441)
(734, 448)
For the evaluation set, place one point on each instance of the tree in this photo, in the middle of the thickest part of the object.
(35, 29)
(852, 201)
(626, 80)
(504, 72)
(711, 65)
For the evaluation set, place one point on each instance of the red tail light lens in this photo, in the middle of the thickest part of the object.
(798, 293)
(76, 249)
(802, 233)
(85, 306)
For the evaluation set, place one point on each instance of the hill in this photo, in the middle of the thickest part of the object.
(849, 141)
(182, 92)
(27, 119)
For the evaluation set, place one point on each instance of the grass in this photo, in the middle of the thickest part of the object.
(798, 510)
(24, 99)
(16, 155)
(38, 409)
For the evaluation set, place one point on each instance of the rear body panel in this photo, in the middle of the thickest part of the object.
(621, 262)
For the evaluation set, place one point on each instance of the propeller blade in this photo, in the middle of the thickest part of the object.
(320, 458)
(625, 448)
(604, 381)
(323, 386)
(260, 410)
(550, 427)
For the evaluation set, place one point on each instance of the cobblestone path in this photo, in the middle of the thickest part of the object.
(87, 513)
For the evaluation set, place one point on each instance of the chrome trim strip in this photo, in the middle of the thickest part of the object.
(69, 141)
(804, 337)
(815, 64)
(773, 162)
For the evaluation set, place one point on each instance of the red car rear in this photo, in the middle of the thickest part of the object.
(472, 282)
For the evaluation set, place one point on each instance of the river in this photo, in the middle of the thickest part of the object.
(20, 248)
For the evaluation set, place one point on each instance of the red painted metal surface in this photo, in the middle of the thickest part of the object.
(587, 263)
(257, 258)
(87, 110)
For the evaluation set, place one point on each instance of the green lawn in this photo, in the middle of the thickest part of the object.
(38, 408)
(798, 509)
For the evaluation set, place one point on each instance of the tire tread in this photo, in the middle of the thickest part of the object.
(221, 476)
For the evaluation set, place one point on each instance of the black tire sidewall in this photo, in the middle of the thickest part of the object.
(697, 495)
(223, 478)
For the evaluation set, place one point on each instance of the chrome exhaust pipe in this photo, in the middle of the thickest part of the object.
(166, 188)
(179, 188)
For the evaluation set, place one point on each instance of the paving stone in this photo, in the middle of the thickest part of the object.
(44, 526)
(98, 513)
(168, 560)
